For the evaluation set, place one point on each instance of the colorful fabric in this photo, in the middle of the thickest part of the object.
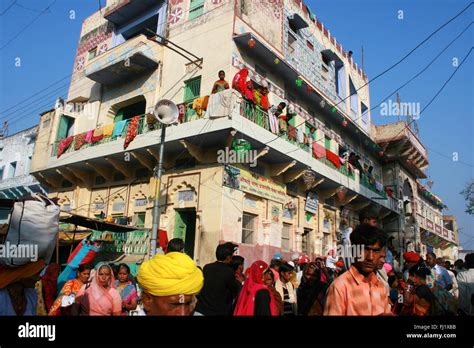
(264, 102)
(199, 104)
(98, 135)
(64, 145)
(379, 186)
(79, 140)
(253, 283)
(128, 293)
(352, 294)
(333, 158)
(108, 130)
(257, 96)
(411, 256)
(171, 274)
(249, 91)
(84, 253)
(40, 305)
(118, 128)
(89, 135)
(10, 275)
(240, 80)
(71, 287)
(319, 151)
(95, 300)
(132, 131)
(282, 125)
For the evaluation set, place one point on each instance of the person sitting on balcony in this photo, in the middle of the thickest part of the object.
(221, 84)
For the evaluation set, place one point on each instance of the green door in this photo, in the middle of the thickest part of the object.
(62, 128)
(185, 228)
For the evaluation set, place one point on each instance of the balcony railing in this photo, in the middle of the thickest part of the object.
(261, 118)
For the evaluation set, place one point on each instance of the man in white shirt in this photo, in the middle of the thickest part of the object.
(466, 286)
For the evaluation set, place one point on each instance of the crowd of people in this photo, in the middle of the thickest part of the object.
(171, 283)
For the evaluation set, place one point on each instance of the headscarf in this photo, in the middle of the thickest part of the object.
(253, 283)
(308, 293)
(171, 274)
(411, 256)
(100, 299)
(11, 275)
(49, 282)
(249, 91)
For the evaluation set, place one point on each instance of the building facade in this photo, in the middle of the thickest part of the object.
(97, 149)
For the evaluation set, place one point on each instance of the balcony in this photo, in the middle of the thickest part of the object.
(19, 187)
(402, 144)
(125, 62)
(123, 11)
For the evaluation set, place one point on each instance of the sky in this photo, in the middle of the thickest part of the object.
(43, 54)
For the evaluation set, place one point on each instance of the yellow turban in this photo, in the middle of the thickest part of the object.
(171, 274)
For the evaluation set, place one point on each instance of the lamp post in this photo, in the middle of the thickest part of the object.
(166, 113)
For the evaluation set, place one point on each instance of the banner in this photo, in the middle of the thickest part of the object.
(255, 184)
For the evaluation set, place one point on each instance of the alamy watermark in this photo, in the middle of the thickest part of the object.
(19, 251)
(229, 156)
(400, 109)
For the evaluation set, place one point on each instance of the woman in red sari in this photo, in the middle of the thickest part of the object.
(255, 298)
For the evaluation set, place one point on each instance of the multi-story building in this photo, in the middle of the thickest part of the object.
(450, 229)
(301, 192)
(436, 236)
(16, 182)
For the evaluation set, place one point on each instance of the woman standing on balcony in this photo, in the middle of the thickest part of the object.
(221, 84)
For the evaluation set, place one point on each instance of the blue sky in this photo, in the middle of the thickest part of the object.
(47, 48)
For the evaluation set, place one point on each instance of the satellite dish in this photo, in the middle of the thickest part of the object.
(166, 112)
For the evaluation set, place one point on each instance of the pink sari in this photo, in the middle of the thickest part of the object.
(96, 300)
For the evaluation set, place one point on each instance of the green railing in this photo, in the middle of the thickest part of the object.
(343, 169)
(365, 181)
(255, 114)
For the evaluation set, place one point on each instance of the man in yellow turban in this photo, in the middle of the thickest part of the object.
(170, 283)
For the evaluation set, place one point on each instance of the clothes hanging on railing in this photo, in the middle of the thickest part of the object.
(118, 128)
(108, 130)
(132, 131)
(319, 151)
(89, 135)
(292, 133)
(300, 135)
(379, 186)
(79, 140)
(64, 145)
(273, 123)
(333, 158)
(98, 135)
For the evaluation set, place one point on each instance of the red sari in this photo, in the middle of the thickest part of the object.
(253, 283)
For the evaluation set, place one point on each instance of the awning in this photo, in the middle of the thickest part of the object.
(126, 10)
(95, 224)
(297, 21)
(331, 55)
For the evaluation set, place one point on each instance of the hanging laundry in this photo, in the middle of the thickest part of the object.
(89, 135)
(333, 158)
(343, 160)
(273, 123)
(306, 139)
(198, 104)
(98, 135)
(132, 131)
(319, 151)
(300, 135)
(64, 145)
(118, 128)
(292, 133)
(379, 186)
(108, 130)
(79, 140)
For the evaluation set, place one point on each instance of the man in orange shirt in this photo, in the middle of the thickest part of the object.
(358, 291)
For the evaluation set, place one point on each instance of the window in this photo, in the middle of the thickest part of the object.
(310, 45)
(192, 89)
(341, 80)
(291, 43)
(99, 206)
(12, 170)
(327, 142)
(118, 206)
(285, 237)
(354, 99)
(130, 111)
(92, 53)
(305, 242)
(140, 202)
(365, 114)
(139, 220)
(196, 9)
(248, 228)
(46, 123)
(1, 172)
(186, 196)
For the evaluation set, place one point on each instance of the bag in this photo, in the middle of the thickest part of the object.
(34, 223)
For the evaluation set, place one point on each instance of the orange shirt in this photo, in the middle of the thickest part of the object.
(352, 294)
